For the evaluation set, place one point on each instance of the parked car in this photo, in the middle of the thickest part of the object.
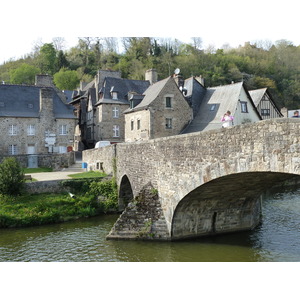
(102, 144)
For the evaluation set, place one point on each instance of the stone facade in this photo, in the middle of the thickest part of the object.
(34, 120)
(109, 122)
(100, 106)
(208, 182)
(165, 113)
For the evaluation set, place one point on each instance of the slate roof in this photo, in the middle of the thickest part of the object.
(69, 95)
(257, 95)
(123, 87)
(24, 101)
(195, 93)
(150, 95)
(224, 98)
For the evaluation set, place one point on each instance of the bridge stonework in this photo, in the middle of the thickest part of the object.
(206, 182)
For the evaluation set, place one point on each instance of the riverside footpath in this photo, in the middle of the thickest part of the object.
(58, 175)
(62, 174)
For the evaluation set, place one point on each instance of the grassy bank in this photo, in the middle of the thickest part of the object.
(32, 210)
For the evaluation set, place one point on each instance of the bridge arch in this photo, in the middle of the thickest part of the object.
(226, 204)
(125, 192)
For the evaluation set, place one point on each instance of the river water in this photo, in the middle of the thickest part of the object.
(277, 239)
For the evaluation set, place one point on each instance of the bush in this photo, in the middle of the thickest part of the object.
(11, 177)
(108, 190)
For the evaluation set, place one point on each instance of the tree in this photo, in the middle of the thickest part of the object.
(24, 74)
(61, 61)
(47, 59)
(11, 177)
(66, 79)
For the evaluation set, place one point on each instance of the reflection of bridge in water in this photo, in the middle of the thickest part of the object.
(200, 183)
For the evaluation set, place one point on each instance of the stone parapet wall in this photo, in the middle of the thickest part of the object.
(100, 159)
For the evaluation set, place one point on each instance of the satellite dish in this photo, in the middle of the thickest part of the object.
(177, 71)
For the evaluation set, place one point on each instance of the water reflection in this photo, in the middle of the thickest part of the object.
(276, 239)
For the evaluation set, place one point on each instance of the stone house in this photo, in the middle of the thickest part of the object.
(161, 111)
(265, 104)
(100, 105)
(218, 100)
(34, 119)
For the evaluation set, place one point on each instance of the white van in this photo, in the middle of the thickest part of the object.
(102, 144)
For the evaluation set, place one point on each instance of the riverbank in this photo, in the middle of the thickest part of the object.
(87, 198)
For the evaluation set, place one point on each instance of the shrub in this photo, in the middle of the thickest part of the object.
(11, 177)
(108, 190)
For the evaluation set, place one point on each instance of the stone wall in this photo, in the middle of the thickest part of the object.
(55, 161)
(100, 159)
(39, 187)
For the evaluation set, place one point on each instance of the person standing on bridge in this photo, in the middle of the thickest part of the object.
(296, 114)
(227, 119)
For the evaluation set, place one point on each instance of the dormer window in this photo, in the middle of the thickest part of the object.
(114, 93)
(131, 104)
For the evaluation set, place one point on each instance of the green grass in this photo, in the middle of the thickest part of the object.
(31, 210)
(90, 174)
(36, 170)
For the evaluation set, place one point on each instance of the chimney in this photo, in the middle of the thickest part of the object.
(151, 76)
(43, 80)
(46, 105)
(179, 80)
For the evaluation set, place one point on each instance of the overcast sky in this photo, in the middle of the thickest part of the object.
(217, 22)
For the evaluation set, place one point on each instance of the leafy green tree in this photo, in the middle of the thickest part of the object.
(11, 177)
(66, 79)
(61, 60)
(24, 74)
(47, 59)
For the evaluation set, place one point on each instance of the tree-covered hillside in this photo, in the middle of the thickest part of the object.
(263, 64)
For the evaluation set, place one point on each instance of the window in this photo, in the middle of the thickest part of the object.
(213, 107)
(138, 124)
(131, 104)
(244, 107)
(62, 129)
(116, 113)
(114, 95)
(2, 104)
(265, 112)
(30, 149)
(89, 115)
(116, 130)
(12, 130)
(31, 129)
(132, 124)
(168, 123)
(12, 149)
(168, 102)
(62, 149)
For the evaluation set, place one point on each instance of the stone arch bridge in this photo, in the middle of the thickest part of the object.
(200, 183)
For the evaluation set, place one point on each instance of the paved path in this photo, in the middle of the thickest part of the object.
(63, 174)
